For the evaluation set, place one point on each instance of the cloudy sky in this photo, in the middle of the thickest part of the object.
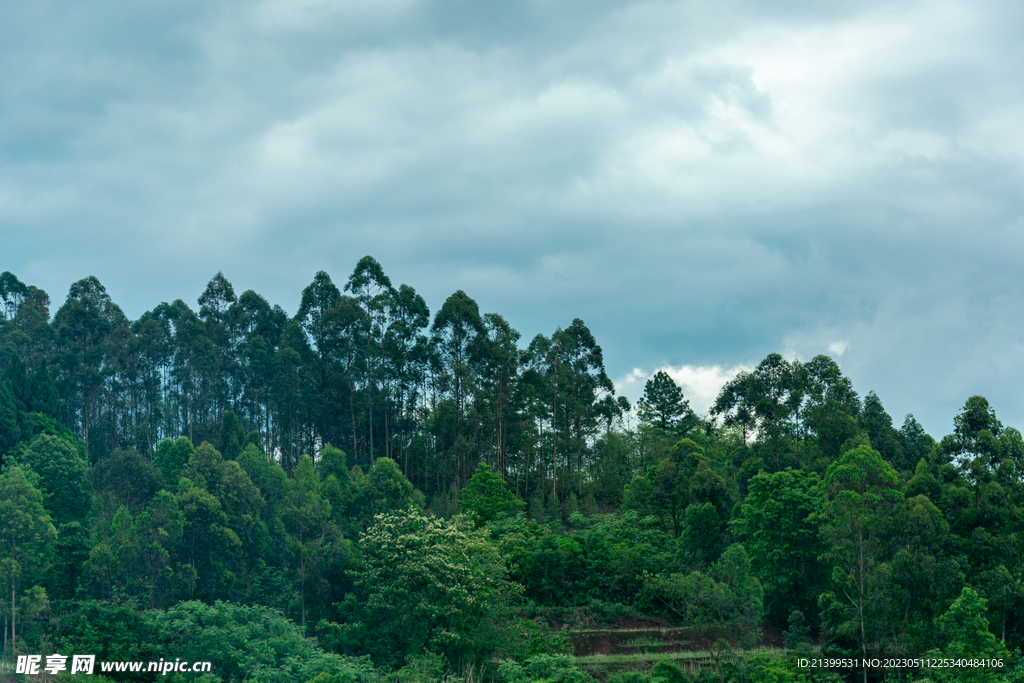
(701, 183)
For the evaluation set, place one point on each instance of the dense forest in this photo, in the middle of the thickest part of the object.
(364, 491)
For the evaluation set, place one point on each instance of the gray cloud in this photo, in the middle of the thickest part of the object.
(701, 184)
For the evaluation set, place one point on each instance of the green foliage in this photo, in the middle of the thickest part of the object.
(431, 585)
(830, 539)
(663, 405)
(171, 457)
(486, 494)
(780, 525)
(859, 497)
(668, 672)
(125, 478)
(113, 631)
(26, 532)
(728, 599)
(247, 643)
(966, 634)
(547, 668)
(63, 477)
(385, 490)
(704, 537)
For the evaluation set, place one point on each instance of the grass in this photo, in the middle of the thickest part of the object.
(645, 642)
(694, 656)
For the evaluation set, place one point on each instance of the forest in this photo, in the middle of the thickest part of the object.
(368, 491)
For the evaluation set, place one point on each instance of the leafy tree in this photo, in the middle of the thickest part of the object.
(85, 325)
(916, 444)
(62, 477)
(831, 407)
(307, 517)
(965, 631)
(207, 540)
(663, 493)
(245, 642)
(171, 457)
(486, 494)
(781, 530)
(10, 430)
(385, 490)
(432, 585)
(726, 600)
(127, 478)
(544, 667)
(769, 394)
(45, 399)
(704, 537)
(884, 438)
(860, 490)
(26, 535)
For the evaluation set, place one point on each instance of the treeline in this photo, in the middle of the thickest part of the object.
(364, 368)
(418, 494)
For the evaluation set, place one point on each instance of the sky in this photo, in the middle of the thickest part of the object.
(702, 183)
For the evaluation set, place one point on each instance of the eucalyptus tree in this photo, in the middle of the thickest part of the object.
(860, 496)
(585, 385)
(215, 304)
(884, 437)
(831, 407)
(456, 338)
(767, 397)
(256, 328)
(317, 316)
(155, 348)
(376, 297)
(405, 357)
(24, 321)
(85, 325)
(500, 360)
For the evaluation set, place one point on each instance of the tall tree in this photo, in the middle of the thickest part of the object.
(771, 394)
(860, 491)
(663, 404)
(26, 535)
(84, 324)
(456, 339)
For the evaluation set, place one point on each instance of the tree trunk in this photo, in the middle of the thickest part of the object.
(352, 413)
(863, 639)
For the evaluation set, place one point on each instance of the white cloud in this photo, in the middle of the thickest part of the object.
(837, 348)
(700, 384)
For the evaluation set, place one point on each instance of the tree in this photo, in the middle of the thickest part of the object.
(307, 518)
(171, 457)
(664, 406)
(455, 332)
(966, 634)
(386, 489)
(248, 642)
(781, 530)
(770, 394)
(62, 477)
(859, 493)
(916, 444)
(726, 600)
(486, 494)
(127, 478)
(26, 534)
(432, 585)
(85, 324)
(884, 438)
(830, 407)
(376, 297)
